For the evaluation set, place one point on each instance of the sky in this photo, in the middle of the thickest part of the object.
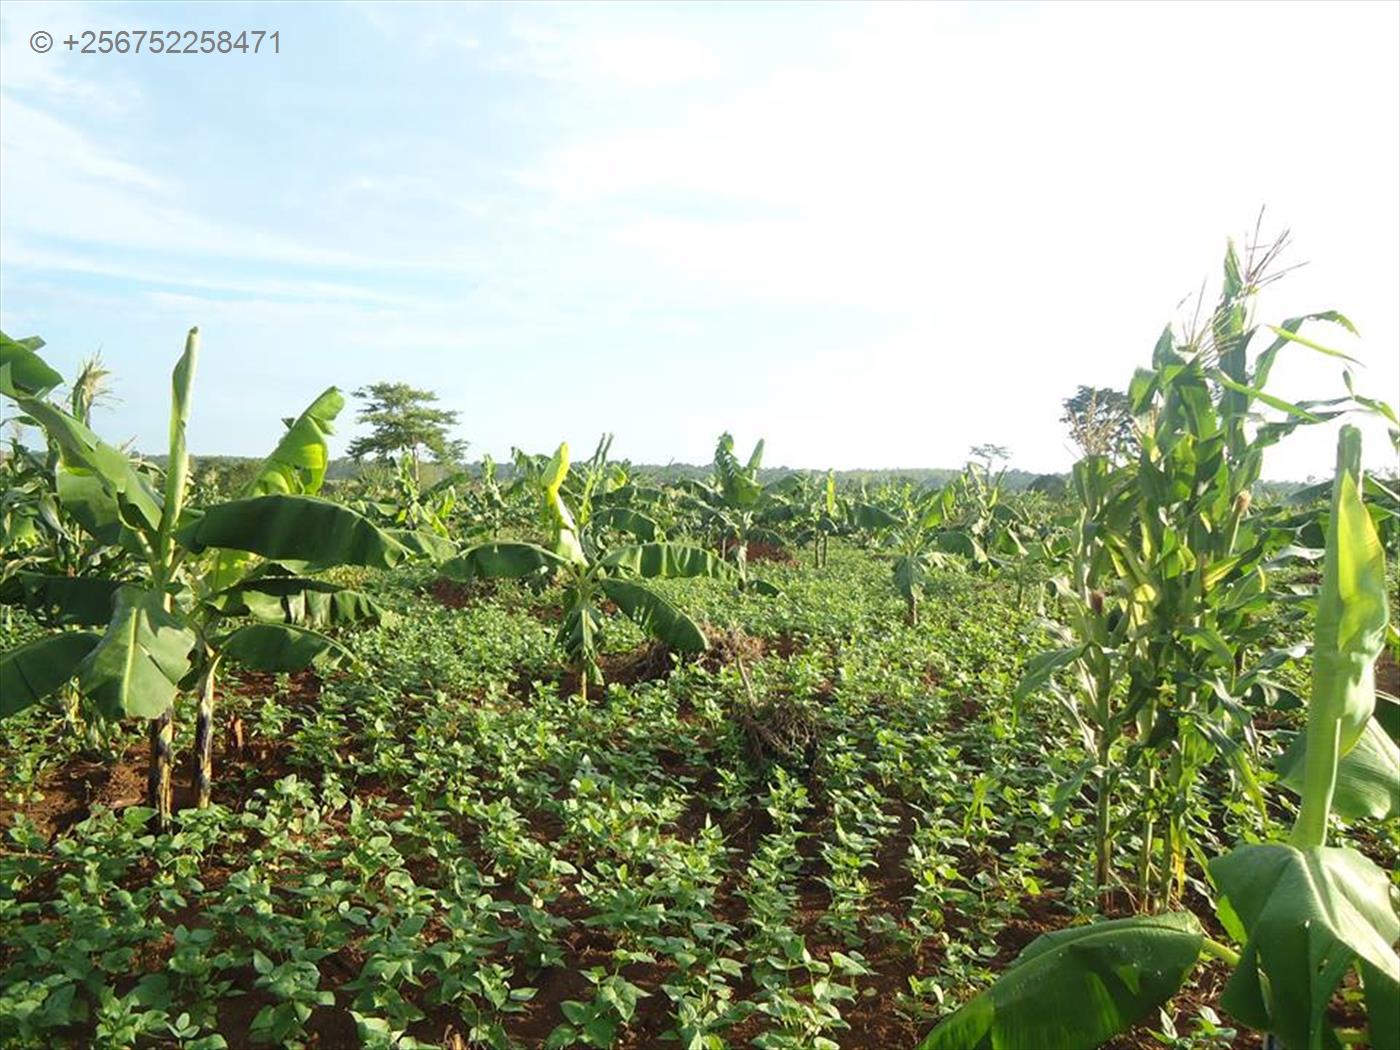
(872, 234)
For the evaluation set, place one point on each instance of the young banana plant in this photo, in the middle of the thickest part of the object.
(486, 507)
(917, 540)
(814, 512)
(830, 518)
(204, 572)
(1306, 914)
(591, 576)
(739, 508)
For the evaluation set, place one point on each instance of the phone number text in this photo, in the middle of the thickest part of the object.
(174, 42)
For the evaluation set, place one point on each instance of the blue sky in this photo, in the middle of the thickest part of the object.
(874, 234)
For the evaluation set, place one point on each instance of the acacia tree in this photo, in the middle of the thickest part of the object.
(989, 454)
(403, 421)
(1100, 421)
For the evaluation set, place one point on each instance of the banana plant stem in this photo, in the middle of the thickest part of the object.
(1223, 952)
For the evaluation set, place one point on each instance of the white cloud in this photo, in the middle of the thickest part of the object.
(586, 45)
(60, 183)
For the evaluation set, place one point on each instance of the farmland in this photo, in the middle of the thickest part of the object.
(570, 755)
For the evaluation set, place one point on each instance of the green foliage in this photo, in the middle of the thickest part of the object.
(30, 672)
(403, 422)
(1353, 610)
(1310, 915)
(588, 574)
(1307, 913)
(298, 463)
(826, 821)
(1171, 602)
(163, 616)
(1078, 987)
(22, 372)
(137, 667)
(315, 532)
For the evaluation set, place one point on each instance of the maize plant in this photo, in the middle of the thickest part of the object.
(1175, 567)
(1092, 641)
(1306, 914)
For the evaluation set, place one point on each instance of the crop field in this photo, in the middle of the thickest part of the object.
(451, 843)
(580, 754)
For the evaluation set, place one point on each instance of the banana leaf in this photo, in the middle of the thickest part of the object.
(34, 670)
(296, 528)
(566, 542)
(82, 600)
(739, 485)
(655, 615)
(578, 637)
(137, 666)
(83, 452)
(177, 463)
(624, 519)
(281, 647)
(1308, 915)
(1074, 989)
(300, 601)
(506, 561)
(1368, 776)
(669, 560)
(297, 466)
(23, 373)
(89, 502)
(424, 544)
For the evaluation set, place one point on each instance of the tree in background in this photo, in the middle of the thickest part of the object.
(1100, 422)
(403, 421)
(989, 454)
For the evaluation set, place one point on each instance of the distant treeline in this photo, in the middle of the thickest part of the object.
(345, 469)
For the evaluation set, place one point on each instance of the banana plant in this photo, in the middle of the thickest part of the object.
(484, 507)
(738, 508)
(204, 572)
(1306, 914)
(815, 512)
(423, 510)
(917, 540)
(592, 575)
